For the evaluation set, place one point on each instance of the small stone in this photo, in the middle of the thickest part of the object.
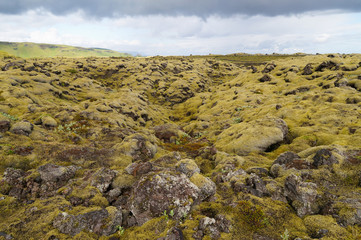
(23, 128)
(49, 122)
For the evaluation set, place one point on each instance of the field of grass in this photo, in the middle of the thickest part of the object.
(34, 50)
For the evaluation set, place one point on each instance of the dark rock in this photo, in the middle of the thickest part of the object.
(103, 178)
(302, 195)
(166, 132)
(269, 68)
(101, 222)
(261, 172)
(307, 70)
(328, 65)
(139, 168)
(265, 78)
(324, 157)
(256, 186)
(23, 128)
(286, 158)
(223, 224)
(157, 192)
(173, 234)
(4, 125)
(6, 236)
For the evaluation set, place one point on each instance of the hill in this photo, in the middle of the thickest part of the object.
(36, 50)
(201, 147)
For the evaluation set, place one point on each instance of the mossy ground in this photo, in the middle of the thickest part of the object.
(99, 102)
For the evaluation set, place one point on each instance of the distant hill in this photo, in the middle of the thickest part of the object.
(34, 50)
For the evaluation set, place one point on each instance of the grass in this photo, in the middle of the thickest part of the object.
(34, 50)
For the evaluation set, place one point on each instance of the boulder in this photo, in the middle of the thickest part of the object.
(188, 167)
(324, 157)
(163, 191)
(23, 128)
(49, 122)
(207, 186)
(302, 195)
(103, 178)
(4, 124)
(307, 70)
(102, 222)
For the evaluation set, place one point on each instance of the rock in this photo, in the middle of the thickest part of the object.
(49, 122)
(139, 168)
(256, 186)
(173, 234)
(265, 78)
(307, 70)
(23, 128)
(324, 157)
(347, 210)
(261, 172)
(269, 68)
(6, 236)
(166, 132)
(54, 173)
(286, 158)
(188, 167)
(255, 136)
(138, 147)
(207, 186)
(223, 224)
(102, 222)
(103, 108)
(178, 92)
(302, 195)
(4, 124)
(103, 178)
(328, 65)
(157, 192)
(207, 226)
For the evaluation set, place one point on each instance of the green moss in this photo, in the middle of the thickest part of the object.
(317, 222)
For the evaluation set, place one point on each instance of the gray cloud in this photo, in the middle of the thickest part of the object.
(202, 8)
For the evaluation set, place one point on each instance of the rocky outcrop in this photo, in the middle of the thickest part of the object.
(164, 191)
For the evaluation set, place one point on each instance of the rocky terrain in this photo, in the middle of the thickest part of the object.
(180, 148)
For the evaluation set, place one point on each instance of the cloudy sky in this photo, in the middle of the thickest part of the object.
(183, 27)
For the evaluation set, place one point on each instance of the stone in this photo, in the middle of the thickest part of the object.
(54, 173)
(138, 147)
(166, 132)
(4, 124)
(188, 167)
(265, 78)
(307, 70)
(324, 157)
(49, 122)
(302, 195)
(206, 185)
(102, 222)
(103, 178)
(156, 192)
(23, 128)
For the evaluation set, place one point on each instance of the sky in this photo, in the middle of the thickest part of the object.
(174, 27)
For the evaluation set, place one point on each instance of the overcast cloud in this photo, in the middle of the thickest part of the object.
(204, 8)
(173, 27)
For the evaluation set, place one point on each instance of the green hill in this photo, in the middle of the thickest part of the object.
(35, 50)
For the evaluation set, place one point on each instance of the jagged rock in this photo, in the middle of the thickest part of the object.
(24, 128)
(157, 192)
(173, 234)
(207, 225)
(166, 132)
(302, 195)
(256, 186)
(188, 167)
(324, 157)
(307, 70)
(286, 158)
(327, 64)
(103, 178)
(265, 78)
(268, 68)
(54, 173)
(207, 186)
(102, 222)
(139, 168)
